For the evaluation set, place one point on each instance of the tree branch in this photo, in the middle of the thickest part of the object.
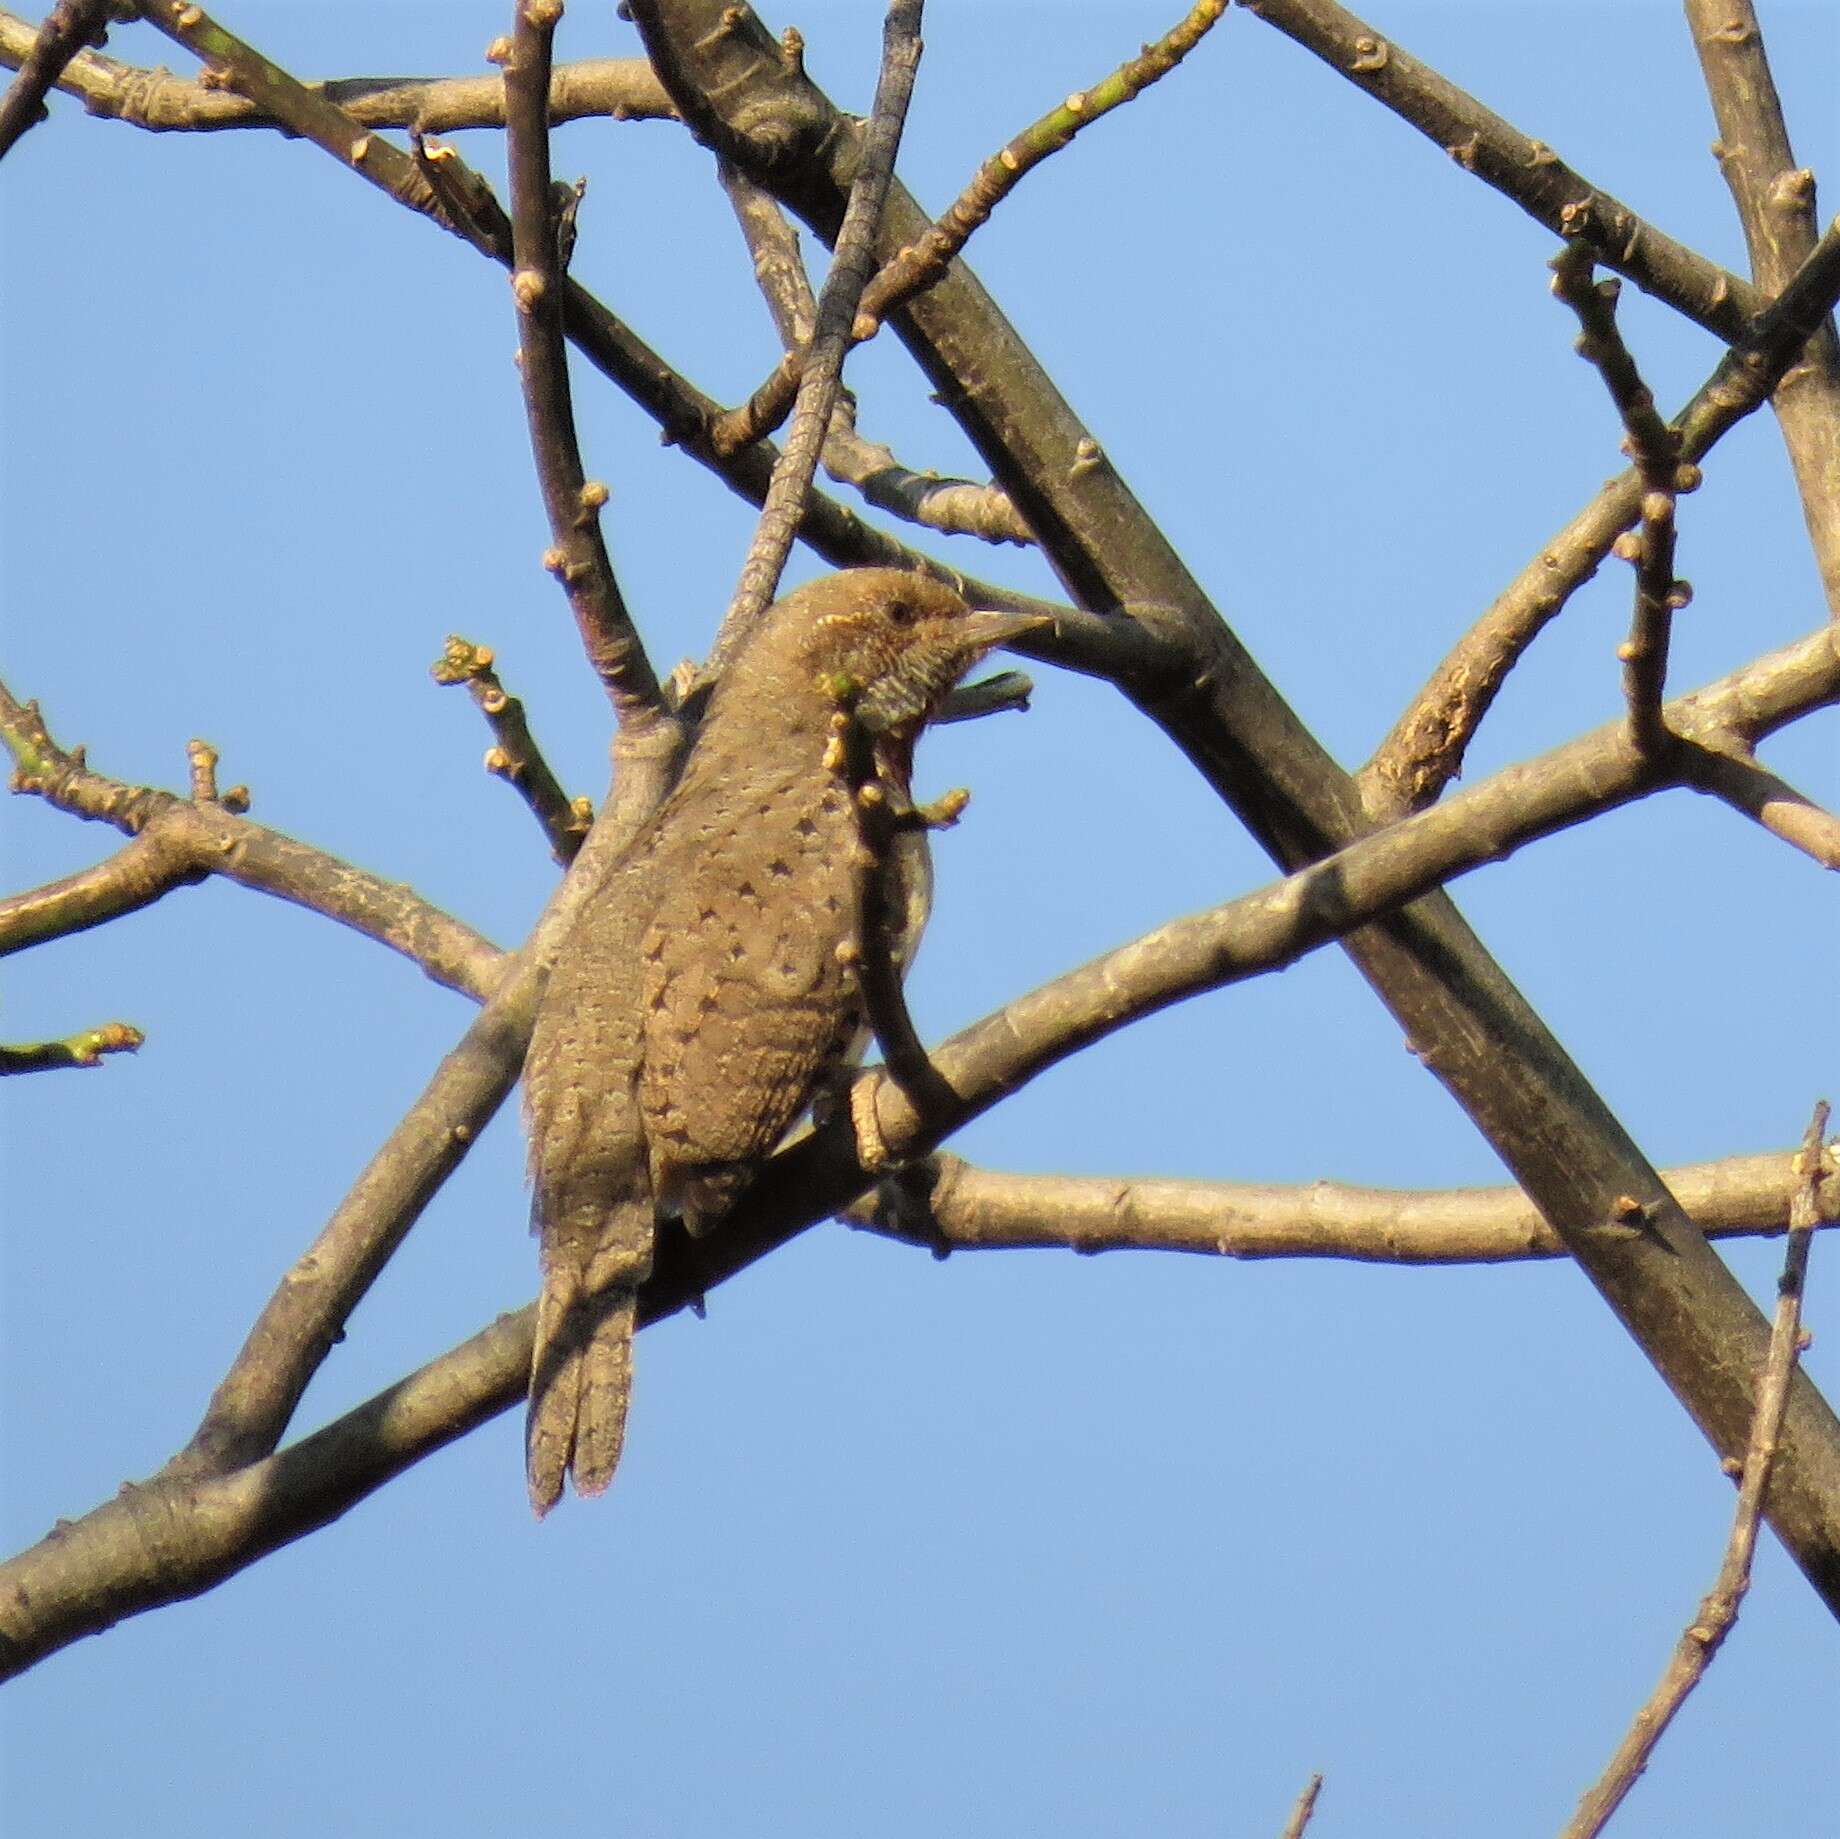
(1775, 200)
(579, 557)
(852, 263)
(83, 1049)
(68, 27)
(953, 506)
(1526, 171)
(620, 89)
(514, 755)
(1462, 1015)
(915, 268)
(1706, 1633)
(177, 843)
(1425, 749)
(1655, 449)
(945, 1204)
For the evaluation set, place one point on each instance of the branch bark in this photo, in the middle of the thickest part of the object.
(1463, 1016)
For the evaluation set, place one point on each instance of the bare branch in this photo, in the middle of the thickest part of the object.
(1461, 1013)
(1526, 171)
(650, 738)
(953, 506)
(1655, 448)
(68, 27)
(307, 112)
(177, 843)
(619, 89)
(947, 1205)
(1425, 749)
(514, 755)
(1775, 200)
(82, 1049)
(91, 1572)
(918, 266)
(255, 1401)
(1737, 776)
(1298, 1823)
(1706, 1633)
(851, 265)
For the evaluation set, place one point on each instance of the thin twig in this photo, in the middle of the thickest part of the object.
(1298, 1823)
(1717, 1614)
(947, 1205)
(82, 1049)
(1775, 200)
(914, 269)
(851, 264)
(1655, 448)
(956, 507)
(180, 841)
(514, 755)
(68, 27)
(578, 556)
(884, 942)
(1520, 168)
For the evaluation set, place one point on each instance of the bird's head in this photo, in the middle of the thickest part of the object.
(890, 646)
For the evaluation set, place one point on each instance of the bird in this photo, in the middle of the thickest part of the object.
(705, 992)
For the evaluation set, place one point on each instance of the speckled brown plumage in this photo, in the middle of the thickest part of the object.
(701, 997)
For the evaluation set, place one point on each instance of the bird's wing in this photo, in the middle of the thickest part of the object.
(746, 1001)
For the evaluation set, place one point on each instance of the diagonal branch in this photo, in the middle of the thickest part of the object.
(1706, 1633)
(178, 842)
(852, 263)
(514, 755)
(68, 27)
(1425, 749)
(953, 506)
(918, 266)
(1524, 170)
(1462, 1015)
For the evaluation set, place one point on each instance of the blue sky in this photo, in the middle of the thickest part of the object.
(1015, 1543)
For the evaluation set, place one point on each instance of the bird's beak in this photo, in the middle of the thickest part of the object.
(983, 631)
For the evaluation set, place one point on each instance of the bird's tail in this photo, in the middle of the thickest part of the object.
(581, 1370)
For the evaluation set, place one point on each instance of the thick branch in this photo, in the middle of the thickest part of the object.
(1468, 1023)
(918, 266)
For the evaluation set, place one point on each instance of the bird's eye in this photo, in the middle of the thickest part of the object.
(900, 611)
